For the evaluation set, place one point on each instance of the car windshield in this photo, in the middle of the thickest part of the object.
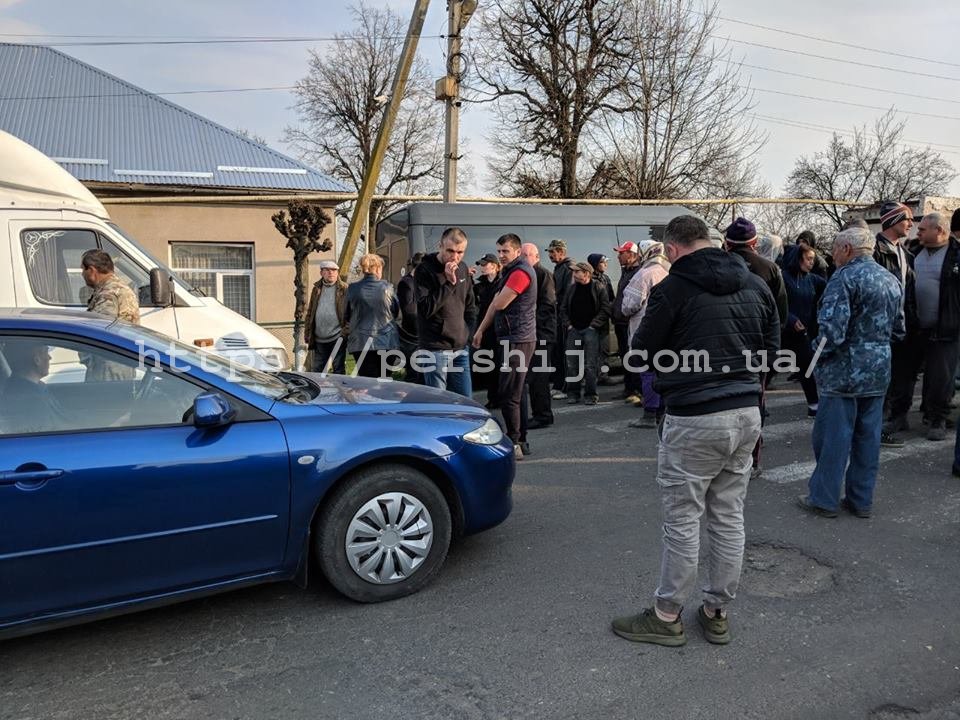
(183, 357)
(156, 263)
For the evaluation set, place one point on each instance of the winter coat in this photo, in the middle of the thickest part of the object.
(710, 304)
(859, 315)
(372, 311)
(637, 292)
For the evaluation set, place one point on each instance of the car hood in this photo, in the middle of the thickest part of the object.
(342, 394)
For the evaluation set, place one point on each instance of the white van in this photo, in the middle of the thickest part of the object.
(48, 219)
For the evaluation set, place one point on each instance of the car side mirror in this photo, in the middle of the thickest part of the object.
(212, 410)
(161, 288)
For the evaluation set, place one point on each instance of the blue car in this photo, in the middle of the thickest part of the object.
(137, 471)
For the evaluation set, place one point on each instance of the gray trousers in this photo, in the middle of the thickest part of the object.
(704, 465)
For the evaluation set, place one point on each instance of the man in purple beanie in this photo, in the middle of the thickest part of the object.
(741, 240)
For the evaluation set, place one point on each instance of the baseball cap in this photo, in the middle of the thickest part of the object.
(329, 265)
(628, 246)
(488, 258)
(557, 244)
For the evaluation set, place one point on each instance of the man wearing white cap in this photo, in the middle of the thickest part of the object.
(325, 333)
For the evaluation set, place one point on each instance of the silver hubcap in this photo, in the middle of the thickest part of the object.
(388, 538)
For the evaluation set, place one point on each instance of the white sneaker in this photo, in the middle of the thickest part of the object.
(558, 395)
(517, 452)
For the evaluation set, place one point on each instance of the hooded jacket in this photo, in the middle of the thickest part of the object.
(766, 271)
(712, 305)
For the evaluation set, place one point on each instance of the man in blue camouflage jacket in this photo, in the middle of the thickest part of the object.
(859, 313)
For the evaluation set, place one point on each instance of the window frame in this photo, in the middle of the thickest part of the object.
(220, 273)
(245, 411)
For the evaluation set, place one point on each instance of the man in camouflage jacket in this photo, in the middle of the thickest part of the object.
(113, 298)
(859, 315)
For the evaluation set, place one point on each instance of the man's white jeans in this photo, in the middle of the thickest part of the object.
(704, 464)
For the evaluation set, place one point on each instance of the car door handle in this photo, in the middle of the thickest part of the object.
(28, 477)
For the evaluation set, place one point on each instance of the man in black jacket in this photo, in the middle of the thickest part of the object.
(562, 282)
(741, 240)
(406, 295)
(890, 252)
(538, 379)
(705, 325)
(446, 312)
(484, 289)
(934, 341)
(587, 311)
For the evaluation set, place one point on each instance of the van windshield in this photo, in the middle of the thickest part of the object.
(156, 263)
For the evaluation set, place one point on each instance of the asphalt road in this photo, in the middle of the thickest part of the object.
(844, 618)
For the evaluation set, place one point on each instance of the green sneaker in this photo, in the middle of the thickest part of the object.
(716, 629)
(647, 627)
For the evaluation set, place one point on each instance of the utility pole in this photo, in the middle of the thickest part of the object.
(359, 221)
(448, 90)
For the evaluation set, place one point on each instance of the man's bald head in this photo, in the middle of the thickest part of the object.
(530, 253)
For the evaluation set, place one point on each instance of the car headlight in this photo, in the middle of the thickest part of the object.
(275, 357)
(487, 434)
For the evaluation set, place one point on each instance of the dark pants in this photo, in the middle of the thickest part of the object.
(489, 380)
(559, 358)
(370, 367)
(322, 352)
(632, 384)
(763, 419)
(538, 384)
(939, 362)
(513, 373)
(408, 348)
(799, 345)
(582, 358)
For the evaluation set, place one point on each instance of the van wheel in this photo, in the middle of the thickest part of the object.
(383, 534)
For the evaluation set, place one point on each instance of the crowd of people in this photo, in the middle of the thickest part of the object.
(857, 321)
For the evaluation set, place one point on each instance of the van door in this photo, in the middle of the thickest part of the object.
(48, 254)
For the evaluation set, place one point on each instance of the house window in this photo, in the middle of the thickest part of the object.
(221, 271)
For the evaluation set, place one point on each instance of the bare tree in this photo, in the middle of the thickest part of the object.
(340, 109)
(873, 165)
(689, 136)
(302, 229)
(553, 67)
(252, 136)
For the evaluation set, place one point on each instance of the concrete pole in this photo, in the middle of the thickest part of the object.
(371, 173)
(451, 136)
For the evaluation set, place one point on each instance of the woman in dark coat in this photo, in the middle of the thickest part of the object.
(371, 315)
(804, 290)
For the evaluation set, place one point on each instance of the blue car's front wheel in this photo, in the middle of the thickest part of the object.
(384, 533)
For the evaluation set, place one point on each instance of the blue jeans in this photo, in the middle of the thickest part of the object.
(846, 429)
(450, 371)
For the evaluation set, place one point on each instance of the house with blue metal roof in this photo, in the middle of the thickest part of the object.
(131, 147)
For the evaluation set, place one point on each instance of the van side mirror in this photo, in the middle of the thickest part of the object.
(161, 288)
(212, 410)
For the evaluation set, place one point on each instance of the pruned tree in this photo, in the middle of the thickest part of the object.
(553, 67)
(689, 135)
(302, 228)
(340, 108)
(872, 165)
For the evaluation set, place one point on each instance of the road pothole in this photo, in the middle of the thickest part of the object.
(783, 572)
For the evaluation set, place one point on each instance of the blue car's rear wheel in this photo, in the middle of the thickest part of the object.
(383, 534)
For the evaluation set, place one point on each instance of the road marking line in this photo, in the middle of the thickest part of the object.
(797, 471)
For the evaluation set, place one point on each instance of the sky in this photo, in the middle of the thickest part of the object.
(926, 30)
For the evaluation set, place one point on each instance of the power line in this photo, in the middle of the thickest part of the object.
(835, 59)
(853, 104)
(130, 94)
(847, 84)
(803, 125)
(837, 42)
(231, 41)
